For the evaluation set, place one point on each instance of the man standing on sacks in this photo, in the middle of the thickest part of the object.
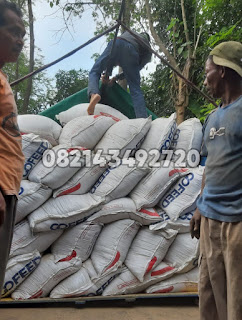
(131, 56)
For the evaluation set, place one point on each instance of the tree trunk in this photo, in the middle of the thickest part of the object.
(31, 58)
(181, 101)
(182, 98)
(15, 89)
(181, 92)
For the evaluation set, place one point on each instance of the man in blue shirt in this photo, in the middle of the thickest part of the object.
(218, 218)
(131, 56)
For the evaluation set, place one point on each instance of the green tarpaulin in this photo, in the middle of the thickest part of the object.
(114, 96)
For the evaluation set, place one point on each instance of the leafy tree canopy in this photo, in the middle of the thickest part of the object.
(68, 83)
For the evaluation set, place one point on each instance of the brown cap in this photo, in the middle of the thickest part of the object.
(228, 54)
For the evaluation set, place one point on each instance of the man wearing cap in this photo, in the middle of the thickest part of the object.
(218, 218)
(131, 56)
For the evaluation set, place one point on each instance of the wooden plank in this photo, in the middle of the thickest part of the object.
(131, 298)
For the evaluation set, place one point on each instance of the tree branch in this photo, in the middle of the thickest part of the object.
(186, 29)
(195, 24)
(103, 15)
(179, 74)
(196, 45)
(21, 5)
(31, 58)
(161, 45)
(174, 41)
(82, 3)
(14, 83)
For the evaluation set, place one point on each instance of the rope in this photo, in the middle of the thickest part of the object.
(14, 83)
(191, 84)
(106, 73)
(116, 26)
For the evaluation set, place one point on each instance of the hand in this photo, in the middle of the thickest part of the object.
(105, 79)
(195, 224)
(112, 81)
(2, 208)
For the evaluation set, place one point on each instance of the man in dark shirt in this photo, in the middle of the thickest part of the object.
(131, 56)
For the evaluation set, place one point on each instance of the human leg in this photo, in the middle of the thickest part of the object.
(212, 279)
(94, 76)
(94, 99)
(6, 234)
(129, 61)
(232, 244)
(136, 94)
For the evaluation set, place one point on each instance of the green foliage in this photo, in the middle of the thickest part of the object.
(68, 83)
(220, 20)
(224, 34)
(172, 24)
(54, 2)
(215, 20)
(156, 92)
(207, 108)
(104, 12)
(41, 88)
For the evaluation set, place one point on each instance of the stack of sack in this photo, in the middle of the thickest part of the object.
(105, 205)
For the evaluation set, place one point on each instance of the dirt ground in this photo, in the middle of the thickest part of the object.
(119, 313)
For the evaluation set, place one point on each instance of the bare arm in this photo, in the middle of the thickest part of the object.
(196, 219)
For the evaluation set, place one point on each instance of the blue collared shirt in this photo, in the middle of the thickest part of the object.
(222, 195)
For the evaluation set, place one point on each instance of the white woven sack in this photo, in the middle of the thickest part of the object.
(45, 127)
(84, 282)
(112, 245)
(148, 250)
(85, 131)
(24, 241)
(117, 182)
(124, 208)
(124, 135)
(80, 110)
(146, 216)
(74, 286)
(80, 239)
(31, 196)
(127, 283)
(82, 181)
(181, 198)
(59, 170)
(48, 274)
(182, 224)
(188, 137)
(155, 184)
(187, 282)
(64, 212)
(33, 148)
(18, 269)
(159, 136)
(183, 253)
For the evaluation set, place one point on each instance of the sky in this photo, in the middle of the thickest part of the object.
(53, 45)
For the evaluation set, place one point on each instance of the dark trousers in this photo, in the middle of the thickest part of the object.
(6, 234)
(127, 57)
